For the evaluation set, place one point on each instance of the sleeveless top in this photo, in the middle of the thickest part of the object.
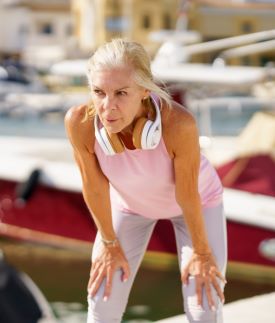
(142, 182)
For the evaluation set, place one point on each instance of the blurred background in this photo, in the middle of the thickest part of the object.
(216, 57)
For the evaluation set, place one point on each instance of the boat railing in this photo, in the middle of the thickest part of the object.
(203, 107)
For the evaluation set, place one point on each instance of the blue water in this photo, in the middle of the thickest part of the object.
(224, 122)
(32, 126)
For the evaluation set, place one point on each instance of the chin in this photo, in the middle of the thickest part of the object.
(112, 129)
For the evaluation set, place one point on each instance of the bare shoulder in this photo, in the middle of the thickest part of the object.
(179, 125)
(178, 118)
(79, 128)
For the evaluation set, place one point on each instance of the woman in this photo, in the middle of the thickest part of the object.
(139, 158)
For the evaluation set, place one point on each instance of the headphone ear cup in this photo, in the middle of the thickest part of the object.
(115, 142)
(137, 133)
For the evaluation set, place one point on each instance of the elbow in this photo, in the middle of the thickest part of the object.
(93, 189)
(91, 196)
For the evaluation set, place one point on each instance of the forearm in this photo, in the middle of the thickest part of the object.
(99, 205)
(195, 223)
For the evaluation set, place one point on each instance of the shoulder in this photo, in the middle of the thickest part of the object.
(179, 125)
(177, 118)
(80, 128)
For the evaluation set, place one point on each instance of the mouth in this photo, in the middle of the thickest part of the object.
(111, 120)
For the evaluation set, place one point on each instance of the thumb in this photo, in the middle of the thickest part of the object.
(184, 275)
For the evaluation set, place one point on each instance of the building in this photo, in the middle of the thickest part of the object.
(39, 31)
(98, 21)
(216, 19)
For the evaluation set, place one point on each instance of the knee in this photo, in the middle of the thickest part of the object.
(204, 315)
(112, 310)
(100, 311)
(197, 313)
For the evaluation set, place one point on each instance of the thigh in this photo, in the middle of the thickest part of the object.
(215, 225)
(134, 233)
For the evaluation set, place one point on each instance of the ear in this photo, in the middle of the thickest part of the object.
(145, 93)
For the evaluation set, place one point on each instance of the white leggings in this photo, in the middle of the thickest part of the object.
(134, 233)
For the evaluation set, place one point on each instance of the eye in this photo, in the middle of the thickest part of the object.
(123, 93)
(98, 92)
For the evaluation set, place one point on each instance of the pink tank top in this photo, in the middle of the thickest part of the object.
(142, 182)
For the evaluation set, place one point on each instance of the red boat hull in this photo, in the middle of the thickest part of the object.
(64, 214)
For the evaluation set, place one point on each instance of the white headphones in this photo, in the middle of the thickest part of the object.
(146, 134)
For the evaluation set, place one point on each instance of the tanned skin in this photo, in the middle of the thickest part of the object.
(181, 139)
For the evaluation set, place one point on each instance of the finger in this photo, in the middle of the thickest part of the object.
(209, 296)
(125, 272)
(96, 284)
(93, 275)
(184, 275)
(218, 290)
(108, 285)
(222, 278)
(199, 290)
(95, 266)
(90, 282)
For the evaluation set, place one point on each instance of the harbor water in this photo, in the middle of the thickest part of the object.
(62, 277)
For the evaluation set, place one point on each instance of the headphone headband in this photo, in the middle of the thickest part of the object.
(151, 133)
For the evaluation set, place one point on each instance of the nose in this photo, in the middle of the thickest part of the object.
(109, 103)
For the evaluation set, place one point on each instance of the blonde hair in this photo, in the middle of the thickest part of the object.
(119, 52)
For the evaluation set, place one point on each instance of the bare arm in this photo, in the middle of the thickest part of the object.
(96, 195)
(186, 165)
(95, 184)
(183, 144)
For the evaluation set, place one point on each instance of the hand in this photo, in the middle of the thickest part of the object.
(109, 259)
(205, 271)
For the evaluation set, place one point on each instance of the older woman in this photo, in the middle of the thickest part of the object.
(139, 158)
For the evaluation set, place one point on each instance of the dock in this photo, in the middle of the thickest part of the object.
(250, 310)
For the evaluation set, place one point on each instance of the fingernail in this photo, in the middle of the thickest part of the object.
(125, 280)
(105, 299)
(223, 300)
(213, 308)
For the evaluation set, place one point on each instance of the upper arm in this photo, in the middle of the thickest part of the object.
(82, 138)
(186, 152)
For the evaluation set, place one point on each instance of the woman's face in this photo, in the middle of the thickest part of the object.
(117, 98)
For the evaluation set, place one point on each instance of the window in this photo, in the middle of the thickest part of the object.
(167, 22)
(146, 22)
(246, 61)
(46, 28)
(69, 30)
(247, 27)
(23, 30)
(117, 24)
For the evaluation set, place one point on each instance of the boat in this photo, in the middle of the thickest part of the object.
(21, 299)
(41, 202)
(14, 79)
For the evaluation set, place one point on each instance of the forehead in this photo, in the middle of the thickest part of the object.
(113, 78)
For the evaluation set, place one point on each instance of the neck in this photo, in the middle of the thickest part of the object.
(143, 113)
